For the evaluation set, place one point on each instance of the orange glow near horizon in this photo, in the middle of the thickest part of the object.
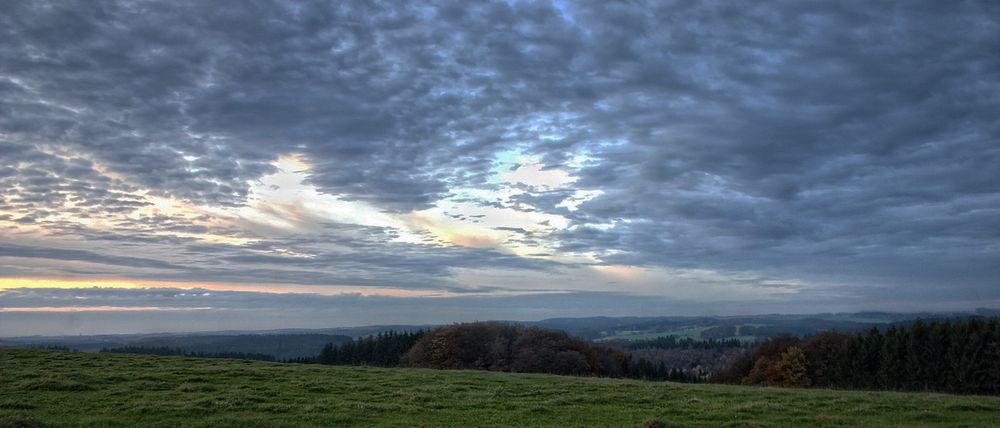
(8, 283)
(326, 290)
(99, 309)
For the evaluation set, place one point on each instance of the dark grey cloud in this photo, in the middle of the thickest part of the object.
(840, 142)
(392, 98)
(39, 184)
(23, 251)
(335, 254)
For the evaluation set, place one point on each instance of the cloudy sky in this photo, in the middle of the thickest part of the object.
(245, 165)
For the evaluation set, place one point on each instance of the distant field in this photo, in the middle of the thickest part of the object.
(693, 332)
(39, 388)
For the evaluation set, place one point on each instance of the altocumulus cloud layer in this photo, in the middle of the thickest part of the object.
(804, 154)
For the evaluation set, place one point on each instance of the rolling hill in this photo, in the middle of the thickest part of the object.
(39, 388)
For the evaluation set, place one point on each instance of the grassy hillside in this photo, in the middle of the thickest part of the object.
(58, 388)
(280, 346)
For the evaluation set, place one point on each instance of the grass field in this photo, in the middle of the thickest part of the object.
(40, 388)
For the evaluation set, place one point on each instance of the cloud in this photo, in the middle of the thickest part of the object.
(335, 254)
(838, 143)
(768, 138)
(22, 251)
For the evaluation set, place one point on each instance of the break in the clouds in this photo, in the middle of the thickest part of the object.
(689, 151)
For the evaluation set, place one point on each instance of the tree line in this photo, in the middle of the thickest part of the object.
(961, 356)
(496, 347)
(385, 349)
(166, 350)
(647, 370)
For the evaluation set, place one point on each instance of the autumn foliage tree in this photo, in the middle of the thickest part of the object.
(790, 370)
(960, 356)
(505, 347)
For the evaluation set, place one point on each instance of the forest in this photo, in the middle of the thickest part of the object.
(958, 356)
(503, 347)
(385, 349)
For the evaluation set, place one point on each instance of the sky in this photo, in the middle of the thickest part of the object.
(225, 165)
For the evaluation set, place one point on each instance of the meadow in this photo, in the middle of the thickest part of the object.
(54, 388)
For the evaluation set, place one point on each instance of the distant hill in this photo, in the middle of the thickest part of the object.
(199, 340)
(298, 342)
(280, 346)
(748, 328)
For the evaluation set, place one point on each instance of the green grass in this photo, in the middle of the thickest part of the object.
(40, 388)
